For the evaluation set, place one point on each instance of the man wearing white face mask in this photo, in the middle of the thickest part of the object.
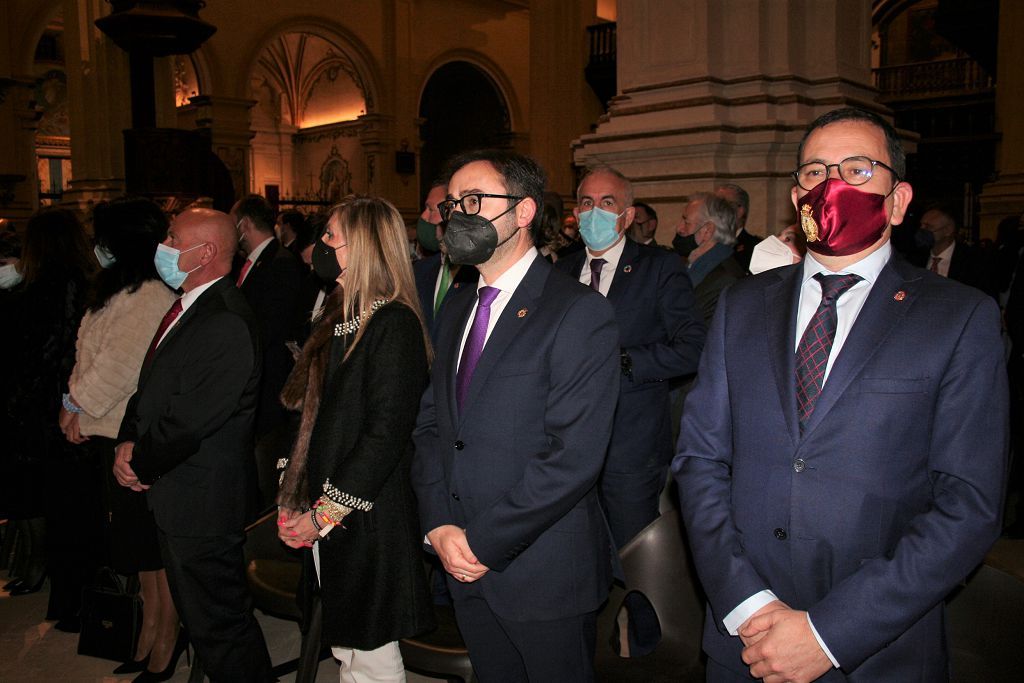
(187, 439)
(660, 336)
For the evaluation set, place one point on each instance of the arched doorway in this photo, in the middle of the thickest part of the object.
(461, 109)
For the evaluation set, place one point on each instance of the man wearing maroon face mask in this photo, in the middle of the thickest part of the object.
(842, 454)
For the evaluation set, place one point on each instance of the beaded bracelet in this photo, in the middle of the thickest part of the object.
(69, 405)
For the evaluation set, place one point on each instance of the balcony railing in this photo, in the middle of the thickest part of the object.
(959, 76)
(602, 43)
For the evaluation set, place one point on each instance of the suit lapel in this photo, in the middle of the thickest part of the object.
(462, 311)
(622, 280)
(882, 311)
(179, 324)
(781, 303)
(507, 328)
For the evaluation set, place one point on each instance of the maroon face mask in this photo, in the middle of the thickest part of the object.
(840, 220)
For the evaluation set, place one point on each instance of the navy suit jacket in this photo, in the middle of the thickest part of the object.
(426, 270)
(888, 500)
(661, 329)
(192, 417)
(517, 469)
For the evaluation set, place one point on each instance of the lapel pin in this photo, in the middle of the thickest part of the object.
(522, 313)
(627, 269)
(456, 285)
(900, 295)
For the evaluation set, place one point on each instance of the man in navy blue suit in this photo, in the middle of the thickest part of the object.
(661, 335)
(842, 455)
(512, 434)
(436, 276)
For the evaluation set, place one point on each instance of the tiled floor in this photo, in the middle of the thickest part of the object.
(32, 650)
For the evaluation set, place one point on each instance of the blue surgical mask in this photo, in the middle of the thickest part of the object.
(597, 228)
(103, 256)
(166, 261)
(9, 276)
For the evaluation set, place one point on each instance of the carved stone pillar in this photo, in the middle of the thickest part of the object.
(1005, 196)
(377, 138)
(227, 122)
(19, 118)
(714, 91)
(98, 96)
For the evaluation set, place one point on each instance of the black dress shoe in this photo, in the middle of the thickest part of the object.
(24, 589)
(132, 666)
(12, 584)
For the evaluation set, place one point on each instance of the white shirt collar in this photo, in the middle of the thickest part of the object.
(611, 256)
(868, 267)
(189, 297)
(510, 279)
(259, 249)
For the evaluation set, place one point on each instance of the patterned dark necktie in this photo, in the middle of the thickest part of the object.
(816, 344)
(595, 273)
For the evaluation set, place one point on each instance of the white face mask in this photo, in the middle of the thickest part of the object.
(9, 276)
(771, 252)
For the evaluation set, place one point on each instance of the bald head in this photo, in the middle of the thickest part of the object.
(207, 241)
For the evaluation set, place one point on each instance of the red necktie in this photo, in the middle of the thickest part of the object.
(816, 344)
(241, 276)
(169, 317)
(935, 264)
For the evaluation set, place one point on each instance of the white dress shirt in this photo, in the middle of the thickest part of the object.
(848, 307)
(611, 257)
(507, 282)
(945, 258)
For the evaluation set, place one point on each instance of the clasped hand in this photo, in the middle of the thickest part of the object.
(452, 546)
(295, 529)
(123, 471)
(779, 646)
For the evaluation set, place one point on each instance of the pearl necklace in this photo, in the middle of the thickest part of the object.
(352, 326)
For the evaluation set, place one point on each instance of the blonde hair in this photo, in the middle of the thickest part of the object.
(378, 261)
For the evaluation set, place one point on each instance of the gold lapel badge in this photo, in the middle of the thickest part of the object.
(456, 285)
(807, 223)
(521, 313)
(899, 296)
(627, 269)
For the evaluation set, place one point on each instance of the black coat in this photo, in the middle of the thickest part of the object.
(373, 585)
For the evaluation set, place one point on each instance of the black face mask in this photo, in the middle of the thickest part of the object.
(924, 239)
(471, 240)
(684, 246)
(325, 263)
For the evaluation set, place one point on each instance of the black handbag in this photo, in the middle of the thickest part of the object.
(111, 617)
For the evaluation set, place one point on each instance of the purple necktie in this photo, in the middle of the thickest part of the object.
(595, 273)
(474, 343)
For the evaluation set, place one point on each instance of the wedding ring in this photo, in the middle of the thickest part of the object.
(462, 576)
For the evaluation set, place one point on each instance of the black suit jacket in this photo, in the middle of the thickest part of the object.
(517, 468)
(660, 327)
(970, 266)
(192, 417)
(425, 271)
(273, 289)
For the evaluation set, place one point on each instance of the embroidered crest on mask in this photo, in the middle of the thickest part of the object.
(807, 223)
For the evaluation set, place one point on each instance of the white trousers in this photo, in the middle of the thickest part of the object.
(383, 665)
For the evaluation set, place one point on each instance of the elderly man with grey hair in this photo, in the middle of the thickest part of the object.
(739, 198)
(709, 224)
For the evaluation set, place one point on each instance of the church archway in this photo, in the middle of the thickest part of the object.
(461, 108)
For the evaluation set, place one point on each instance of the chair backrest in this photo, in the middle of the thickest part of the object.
(657, 564)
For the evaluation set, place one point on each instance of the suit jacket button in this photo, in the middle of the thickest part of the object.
(780, 534)
(455, 495)
(799, 465)
(459, 445)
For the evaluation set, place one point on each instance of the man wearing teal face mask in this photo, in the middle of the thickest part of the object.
(436, 276)
(660, 337)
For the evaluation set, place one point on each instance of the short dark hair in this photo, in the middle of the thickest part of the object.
(521, 175)
(258, 210)
(943, 208)
(897, 157)
(647, 209)
(742, 196)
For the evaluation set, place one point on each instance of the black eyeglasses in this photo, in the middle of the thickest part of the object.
(470, 203)
(853, 171)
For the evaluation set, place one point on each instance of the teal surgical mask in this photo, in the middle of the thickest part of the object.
(9, 276)
(166, 261)
(597, 228)
(103, 256)
(426, 235)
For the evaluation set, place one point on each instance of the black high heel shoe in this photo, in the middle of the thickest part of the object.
(24, 589)
(133, 666)
(180, 646)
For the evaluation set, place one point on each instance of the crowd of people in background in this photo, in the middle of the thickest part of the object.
(502, 386)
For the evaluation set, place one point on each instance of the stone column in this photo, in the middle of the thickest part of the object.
(98, 105)
(377, 139)
(19, 118)
(1005, 196)
(227, 122)
(714, 91)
